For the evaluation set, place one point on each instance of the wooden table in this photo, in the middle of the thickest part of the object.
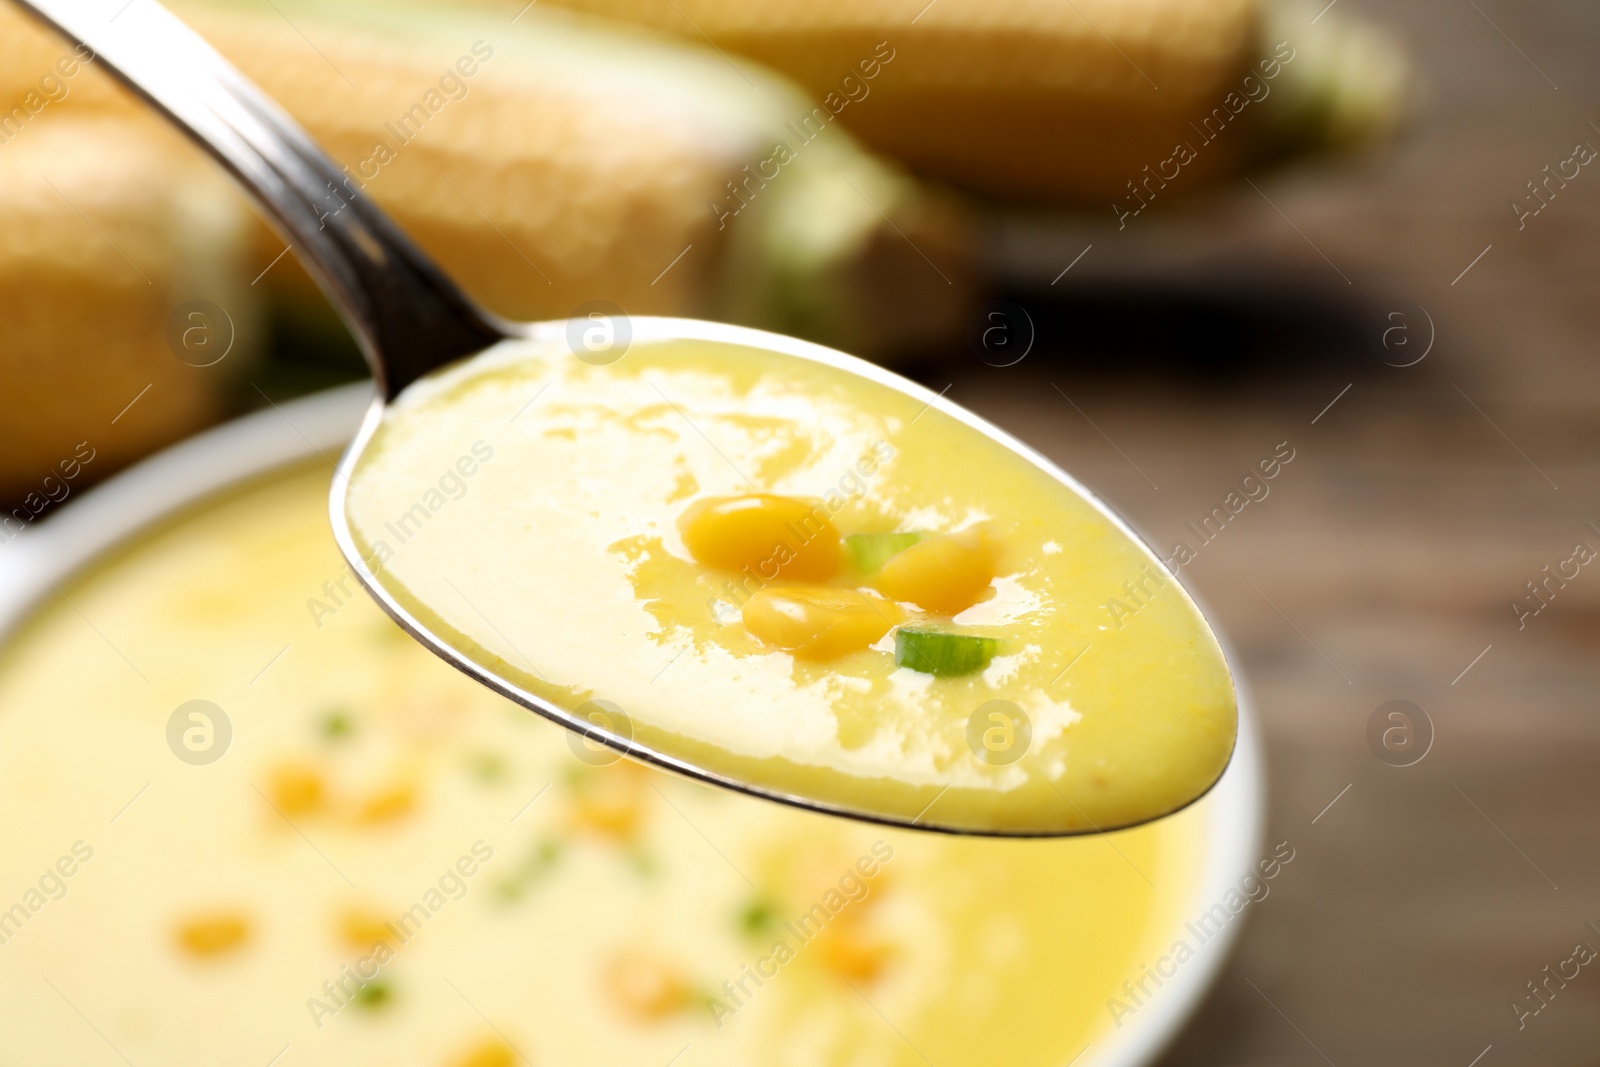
(1384, 561)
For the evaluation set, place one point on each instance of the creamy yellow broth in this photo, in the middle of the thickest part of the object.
(378, 814)
(526, 507)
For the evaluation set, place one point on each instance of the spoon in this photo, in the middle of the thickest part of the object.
(410, 319)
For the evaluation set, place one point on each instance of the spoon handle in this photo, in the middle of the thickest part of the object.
(406, 314)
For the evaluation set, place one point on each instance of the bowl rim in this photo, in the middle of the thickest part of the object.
(189, 474)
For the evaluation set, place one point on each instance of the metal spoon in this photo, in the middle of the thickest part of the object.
(407, 315)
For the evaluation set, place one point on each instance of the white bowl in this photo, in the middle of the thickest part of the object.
(52, 550)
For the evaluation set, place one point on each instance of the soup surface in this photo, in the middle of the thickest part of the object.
(357, 856)
(795, 576)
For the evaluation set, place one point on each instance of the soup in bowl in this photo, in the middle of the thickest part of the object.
(252, 821)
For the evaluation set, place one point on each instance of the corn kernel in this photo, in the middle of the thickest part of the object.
(819, 623)
(611, 802)
(387, 804)
(215, 934)
(855, 953)
(767, 535)
(493, 1053)
(944, 575)
(645, 986)
(296, 789)
(363, 928)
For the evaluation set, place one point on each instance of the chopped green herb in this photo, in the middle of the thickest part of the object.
(758, 917)
(941, 652)
(487, 766)
(531, 870)
(869, 552)
(373, 995)
(337, 723)
(643, 862)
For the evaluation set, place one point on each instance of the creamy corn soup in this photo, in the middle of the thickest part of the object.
(792, 575)
(353, 855)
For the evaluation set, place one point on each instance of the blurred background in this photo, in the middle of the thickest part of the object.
(1154, 239)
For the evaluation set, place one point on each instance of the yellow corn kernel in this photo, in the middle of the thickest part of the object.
(819, 623)
(213, 934)
(388, 804)
(610, 801)
(363, 928)
(609, 815)
(767, 535)
(492, 1053)
(944, 575)
(296, 789)
(645, 986)
(854, 952)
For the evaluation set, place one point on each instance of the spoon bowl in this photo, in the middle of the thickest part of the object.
(410, 320)
(600, 730)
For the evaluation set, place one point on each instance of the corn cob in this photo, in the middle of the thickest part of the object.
(1024, 98)
(1055, 100)
(575, 163)
(42, 76)
(109, 229)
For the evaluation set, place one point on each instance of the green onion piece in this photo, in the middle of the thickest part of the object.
(374, 994)
(758, 917)
(941, 652)
(533, 868)
(869, 552)
(337, 723)
(487, 766)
